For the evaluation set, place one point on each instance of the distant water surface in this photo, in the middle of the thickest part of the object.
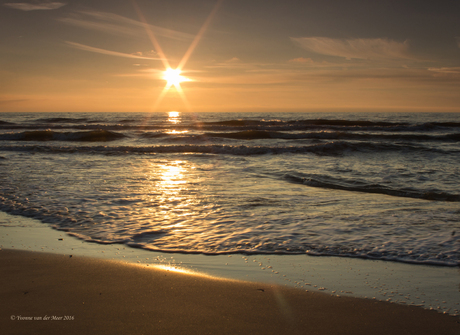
(372, 185)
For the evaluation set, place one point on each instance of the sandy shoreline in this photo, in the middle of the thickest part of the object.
(429, 287)
(108, 297)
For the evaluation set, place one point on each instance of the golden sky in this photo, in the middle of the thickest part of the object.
(110, 55)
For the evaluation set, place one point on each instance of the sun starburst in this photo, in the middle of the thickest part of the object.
(174, 77)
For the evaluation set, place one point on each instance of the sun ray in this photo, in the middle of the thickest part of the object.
(198, 36)
(184, 99)
(172, 76)
(160, 97)
(151, 35)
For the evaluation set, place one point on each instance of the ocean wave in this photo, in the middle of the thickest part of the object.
(330, 148)
(247, 134)
(329, 182)
(62, 120)
(49, 135)
(362, 141)
(442, 124)
(127, 121)
(154, 135)
(182, 134)
(334, 148)
(308, 122)
(328, 135)
(330, 124)
(238, 125)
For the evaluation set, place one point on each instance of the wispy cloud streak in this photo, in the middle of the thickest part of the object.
(360, 48)
(35, 6)
(108, 52)
(445, 70)
(117, 24)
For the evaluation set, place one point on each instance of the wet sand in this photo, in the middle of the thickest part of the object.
(109, 297)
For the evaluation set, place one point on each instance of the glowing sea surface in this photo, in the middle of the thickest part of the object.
(380, 186)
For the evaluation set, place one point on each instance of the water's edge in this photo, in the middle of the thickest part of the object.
(429, 287)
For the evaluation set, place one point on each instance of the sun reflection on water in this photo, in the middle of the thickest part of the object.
(174, 117)
(172, 182)
(174, 199)
(172, 175)
(176, 131)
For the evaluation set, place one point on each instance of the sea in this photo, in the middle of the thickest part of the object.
(382, 186)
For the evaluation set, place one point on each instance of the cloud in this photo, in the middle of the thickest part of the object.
(137, 55)
(360, 48)
(301, 60)
(11, 101)
(233, 60)
(292, 75)
(230, 64)
(445, 70)
(35, 6)
(117, 24)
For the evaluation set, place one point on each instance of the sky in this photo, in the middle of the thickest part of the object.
(110, 55)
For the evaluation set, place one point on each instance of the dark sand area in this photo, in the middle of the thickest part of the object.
(108, 297)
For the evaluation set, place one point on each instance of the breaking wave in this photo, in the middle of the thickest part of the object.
(49, 135)
(329, 182)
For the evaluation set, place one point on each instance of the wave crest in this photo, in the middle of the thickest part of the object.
(49, 135)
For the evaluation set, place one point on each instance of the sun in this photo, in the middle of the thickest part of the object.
(173, 77)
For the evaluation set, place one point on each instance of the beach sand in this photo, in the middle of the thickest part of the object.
(109, 297)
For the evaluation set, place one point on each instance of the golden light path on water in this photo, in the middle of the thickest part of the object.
(170, 186)
(175, 118)
(175, 194)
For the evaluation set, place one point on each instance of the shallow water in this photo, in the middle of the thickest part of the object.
(380, 186)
